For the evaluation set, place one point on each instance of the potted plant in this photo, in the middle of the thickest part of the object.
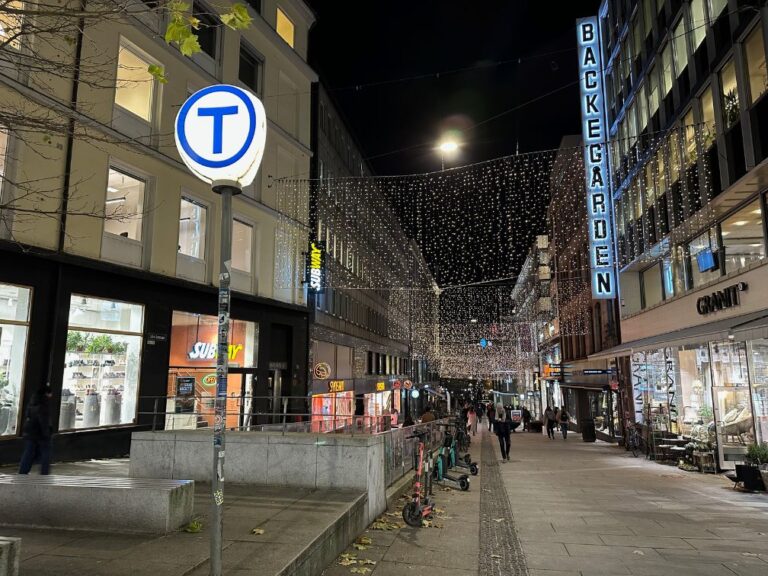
(757, 454)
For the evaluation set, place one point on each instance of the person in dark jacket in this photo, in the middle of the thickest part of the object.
(503, 431)
(37, 433)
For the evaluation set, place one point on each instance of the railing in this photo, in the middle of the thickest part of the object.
(263, 413)
(399, 451)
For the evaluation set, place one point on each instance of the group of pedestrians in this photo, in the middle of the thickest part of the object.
(557, 417)
(500, 422)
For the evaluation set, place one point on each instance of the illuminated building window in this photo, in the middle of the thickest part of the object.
(134, 86)
(124, 205)
(680, 50)
(192, 228)
(742, 234)
(285, 27)
(242, 246)
(754, 51)
(730, 94)
(11, 24)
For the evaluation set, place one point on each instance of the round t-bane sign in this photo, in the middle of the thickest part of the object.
(220, 134)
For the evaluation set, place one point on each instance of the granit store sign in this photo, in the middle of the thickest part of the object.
(721, 299)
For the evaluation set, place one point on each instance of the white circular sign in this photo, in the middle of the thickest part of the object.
(220, 134)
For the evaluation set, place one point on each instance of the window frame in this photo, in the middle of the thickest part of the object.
(246, 222)
(156, 95)
(255, 55)
(137, 174)
(192, 199)
(278, 12)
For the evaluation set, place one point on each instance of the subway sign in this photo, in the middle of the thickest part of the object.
(596, 160)
(316, 267)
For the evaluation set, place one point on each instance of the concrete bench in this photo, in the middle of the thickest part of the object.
(10, 554)
(155, 506)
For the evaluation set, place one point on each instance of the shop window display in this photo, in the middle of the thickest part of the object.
(332, 411)
(732, 403)
(696, 418)
(102, 363)
(758, 361)
(14, 322)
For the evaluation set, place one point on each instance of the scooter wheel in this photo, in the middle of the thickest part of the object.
(464, 484)
(473, 469)
(412, 515)
(467, 458)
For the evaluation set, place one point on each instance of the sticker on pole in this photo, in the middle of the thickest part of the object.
(220, 134)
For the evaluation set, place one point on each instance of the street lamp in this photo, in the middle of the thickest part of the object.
(448, 146)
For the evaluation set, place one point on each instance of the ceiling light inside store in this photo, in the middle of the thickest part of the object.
(758, 211)
(740, 223)
(111, 189)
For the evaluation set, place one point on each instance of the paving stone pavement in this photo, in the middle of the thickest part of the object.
(592, 509)
(450, 547)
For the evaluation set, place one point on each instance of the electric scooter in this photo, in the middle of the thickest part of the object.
(419, 508)
(443, 464)
(465, 463)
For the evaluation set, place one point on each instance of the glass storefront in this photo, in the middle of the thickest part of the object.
(14, 325)
(733, 405)
(758, 366)
(102, 363)
(713, 395)
(193, 361)
(332, 411)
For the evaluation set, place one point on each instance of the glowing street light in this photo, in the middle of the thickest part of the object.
(447, 146)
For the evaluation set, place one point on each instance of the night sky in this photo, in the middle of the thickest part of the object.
(364, 52)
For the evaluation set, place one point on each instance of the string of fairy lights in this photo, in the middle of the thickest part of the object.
(441, 252)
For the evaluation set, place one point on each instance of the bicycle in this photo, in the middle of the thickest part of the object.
(633, 440)
(419, 507)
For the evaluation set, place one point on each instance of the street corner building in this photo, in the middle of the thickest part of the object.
(685, 107)
(109, 246)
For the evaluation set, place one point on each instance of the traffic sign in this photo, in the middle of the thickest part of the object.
(220, 134)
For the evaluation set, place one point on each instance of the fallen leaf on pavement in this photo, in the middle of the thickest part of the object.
(347, 562)
(257, 531)
(360, 570)
(365, 540)
(498, 519)
(638, 552)
(495, 556)
(360, 546)
(367, 561)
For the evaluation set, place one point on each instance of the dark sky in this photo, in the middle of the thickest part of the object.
(375, 45)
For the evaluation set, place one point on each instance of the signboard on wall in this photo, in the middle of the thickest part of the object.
(595, 137)
(316, 267)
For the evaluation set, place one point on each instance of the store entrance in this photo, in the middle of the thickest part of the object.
(240, 408)
(278, 406)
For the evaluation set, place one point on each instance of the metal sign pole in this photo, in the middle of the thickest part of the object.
(227, 163)
(222, 366)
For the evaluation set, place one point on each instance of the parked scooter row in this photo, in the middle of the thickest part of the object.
(436, 466)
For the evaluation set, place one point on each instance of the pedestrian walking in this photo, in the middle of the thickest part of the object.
(37, 433)
(491, 417)
(526, 419)
(563, 419)
(472, 420)
(503, 430)
(549, 422)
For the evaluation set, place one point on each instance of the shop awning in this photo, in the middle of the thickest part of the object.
(745, 327)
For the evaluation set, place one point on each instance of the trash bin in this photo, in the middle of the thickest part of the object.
(588, 430)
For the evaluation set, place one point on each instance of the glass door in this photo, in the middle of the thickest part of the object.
(732, 402)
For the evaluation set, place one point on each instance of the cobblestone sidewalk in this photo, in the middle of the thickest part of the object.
(500, 550)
